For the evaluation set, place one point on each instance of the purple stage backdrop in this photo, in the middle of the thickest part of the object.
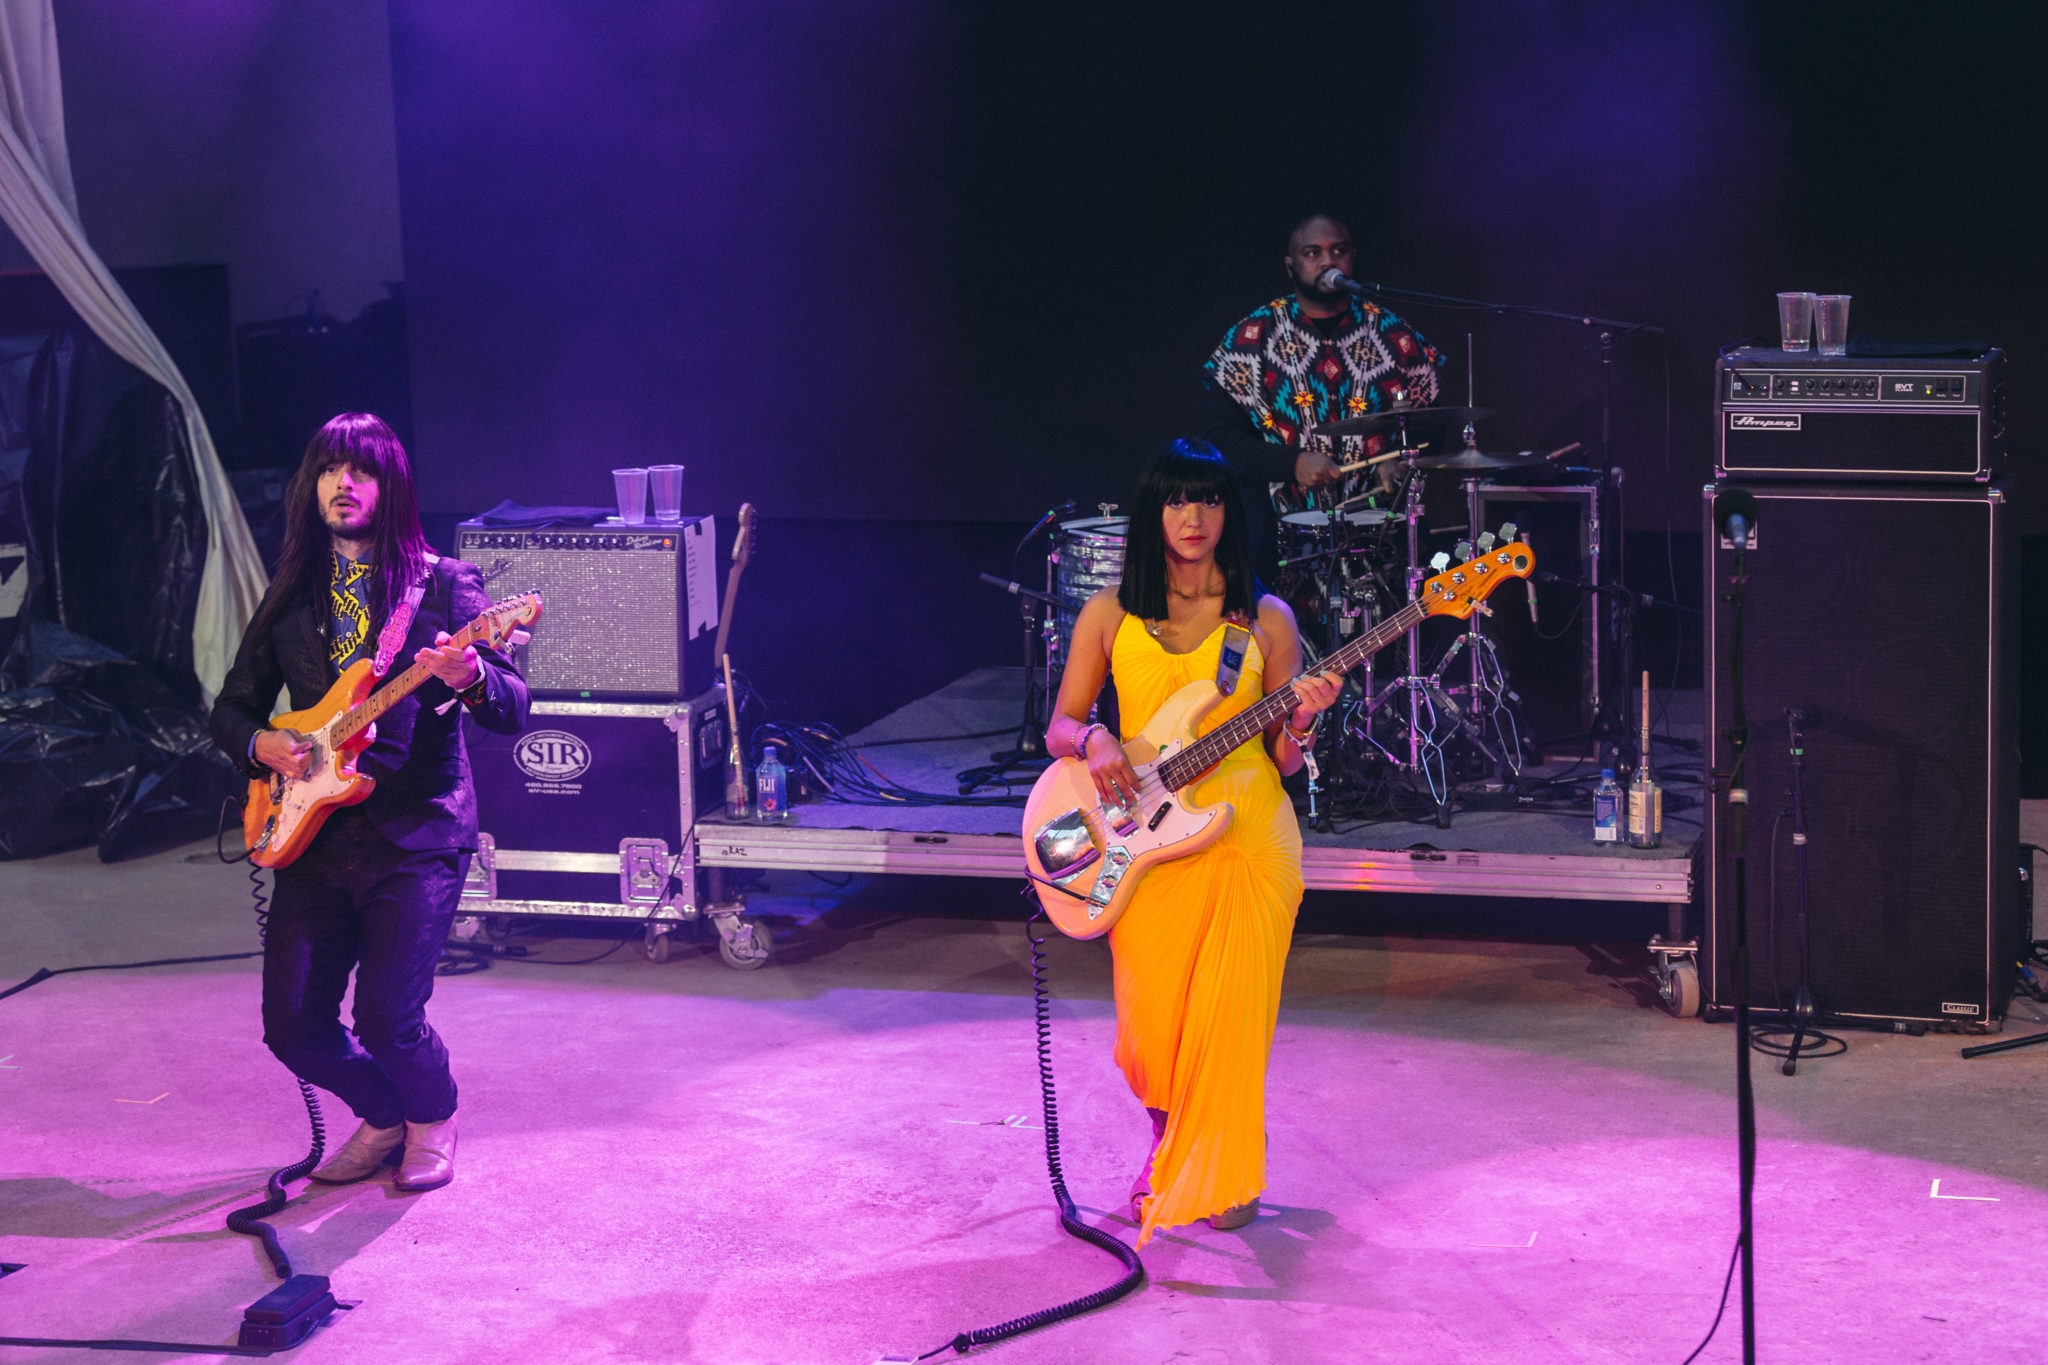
(916, 260)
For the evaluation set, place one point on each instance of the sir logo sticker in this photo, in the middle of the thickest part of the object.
(552, 760)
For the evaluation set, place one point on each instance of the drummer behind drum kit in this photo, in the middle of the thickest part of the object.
(1445, 730)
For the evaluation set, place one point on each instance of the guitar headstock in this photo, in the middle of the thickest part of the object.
(500, 619)
(743, 539)
(1461, 589)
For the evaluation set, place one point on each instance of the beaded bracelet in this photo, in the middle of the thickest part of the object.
(1081, 740)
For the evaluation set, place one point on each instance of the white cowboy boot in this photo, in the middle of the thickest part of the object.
(429, 1156)
(366, 1150)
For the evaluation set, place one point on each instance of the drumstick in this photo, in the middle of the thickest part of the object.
(1380, 459)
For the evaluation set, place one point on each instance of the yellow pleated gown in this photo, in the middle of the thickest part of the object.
(1200, 950)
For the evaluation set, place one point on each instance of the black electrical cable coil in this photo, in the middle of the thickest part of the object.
(1070, 1221)
(249, 1221)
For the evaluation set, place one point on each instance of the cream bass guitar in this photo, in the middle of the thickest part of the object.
(1086, 859)
(284, 813)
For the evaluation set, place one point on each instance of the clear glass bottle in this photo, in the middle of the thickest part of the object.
(735, 782)
(1645, 797)
(771, 788)
(1645, 810)
(1607, 809)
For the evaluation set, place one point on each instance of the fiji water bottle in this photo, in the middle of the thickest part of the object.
(1607, 809)
(771, 788)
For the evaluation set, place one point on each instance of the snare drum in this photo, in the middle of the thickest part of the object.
(1315, 522)
(1087, 556)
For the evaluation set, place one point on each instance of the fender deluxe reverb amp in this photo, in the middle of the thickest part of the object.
(1786, 415)
(630, 609)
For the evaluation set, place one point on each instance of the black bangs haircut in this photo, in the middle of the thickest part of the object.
(1193, 470)
(399, 548)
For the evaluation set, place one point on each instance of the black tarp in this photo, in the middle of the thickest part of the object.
(102, 542)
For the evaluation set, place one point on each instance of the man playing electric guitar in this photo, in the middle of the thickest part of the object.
(376, 889)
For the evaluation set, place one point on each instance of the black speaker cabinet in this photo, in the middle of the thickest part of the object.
(1889, 614)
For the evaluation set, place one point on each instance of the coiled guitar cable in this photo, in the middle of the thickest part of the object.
(1070, 1220)
(249, 1221)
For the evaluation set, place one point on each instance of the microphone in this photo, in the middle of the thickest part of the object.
(1335, 281)
(1531, 586)
(1735, 516)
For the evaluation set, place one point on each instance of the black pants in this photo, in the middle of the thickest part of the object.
(355, 901)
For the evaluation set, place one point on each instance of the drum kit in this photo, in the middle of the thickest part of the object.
(1445, 726)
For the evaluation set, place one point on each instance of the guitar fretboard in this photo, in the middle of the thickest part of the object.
(353, 721)
(1205, 753)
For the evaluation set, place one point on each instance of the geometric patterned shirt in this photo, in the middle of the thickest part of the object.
(1289, 377)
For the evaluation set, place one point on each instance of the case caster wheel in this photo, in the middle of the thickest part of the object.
(744, 943)
(1680, 989)
(497, 928)
(659, 947)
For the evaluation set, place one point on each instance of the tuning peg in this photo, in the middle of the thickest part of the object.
(1485, 541)
(1464, 550)
(1439, 561)
(1508, 531)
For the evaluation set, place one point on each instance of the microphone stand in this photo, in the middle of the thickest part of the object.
(1745, 1096)
(1805, 1006)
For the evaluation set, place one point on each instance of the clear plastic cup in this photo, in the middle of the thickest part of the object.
(631, 487)
(667, 482)
(1831, 323)
(1795, 321)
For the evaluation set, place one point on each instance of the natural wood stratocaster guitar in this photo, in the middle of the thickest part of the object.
(1086, 859)
(284, 813)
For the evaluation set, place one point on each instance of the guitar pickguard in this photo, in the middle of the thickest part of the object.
(330, 776)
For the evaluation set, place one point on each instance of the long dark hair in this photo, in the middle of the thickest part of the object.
(1196, 471)
(398, 547)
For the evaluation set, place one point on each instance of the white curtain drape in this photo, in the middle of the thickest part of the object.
(39, 204)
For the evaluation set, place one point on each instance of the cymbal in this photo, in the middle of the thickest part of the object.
(1482, 459)
(1381, 423)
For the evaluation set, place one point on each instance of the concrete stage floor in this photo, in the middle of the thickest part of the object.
(1481, 1151)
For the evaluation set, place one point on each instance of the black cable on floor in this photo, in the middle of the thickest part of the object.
(45, 973)
(246, 1220)
(123, 1344)
(1070, 1221)
(1715, 1326)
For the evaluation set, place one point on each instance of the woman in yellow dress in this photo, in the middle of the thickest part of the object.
(1200, 949)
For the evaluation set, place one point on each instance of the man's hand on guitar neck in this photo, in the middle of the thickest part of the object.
(284, 751)
(459, 668)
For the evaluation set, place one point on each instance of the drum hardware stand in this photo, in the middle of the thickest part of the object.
(1029, 753)
(1609, 330)
(1627, 601)
(1432, 715)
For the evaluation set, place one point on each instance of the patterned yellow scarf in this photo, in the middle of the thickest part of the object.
(345, 594)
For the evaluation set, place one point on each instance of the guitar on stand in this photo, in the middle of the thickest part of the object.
(1086, 859)
(742, 942)
(284, 813)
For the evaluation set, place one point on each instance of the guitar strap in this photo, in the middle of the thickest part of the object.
(1230, 663)
(392, 637)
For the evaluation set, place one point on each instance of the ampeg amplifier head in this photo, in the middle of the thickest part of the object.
(631, 609)
(1801, 415)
